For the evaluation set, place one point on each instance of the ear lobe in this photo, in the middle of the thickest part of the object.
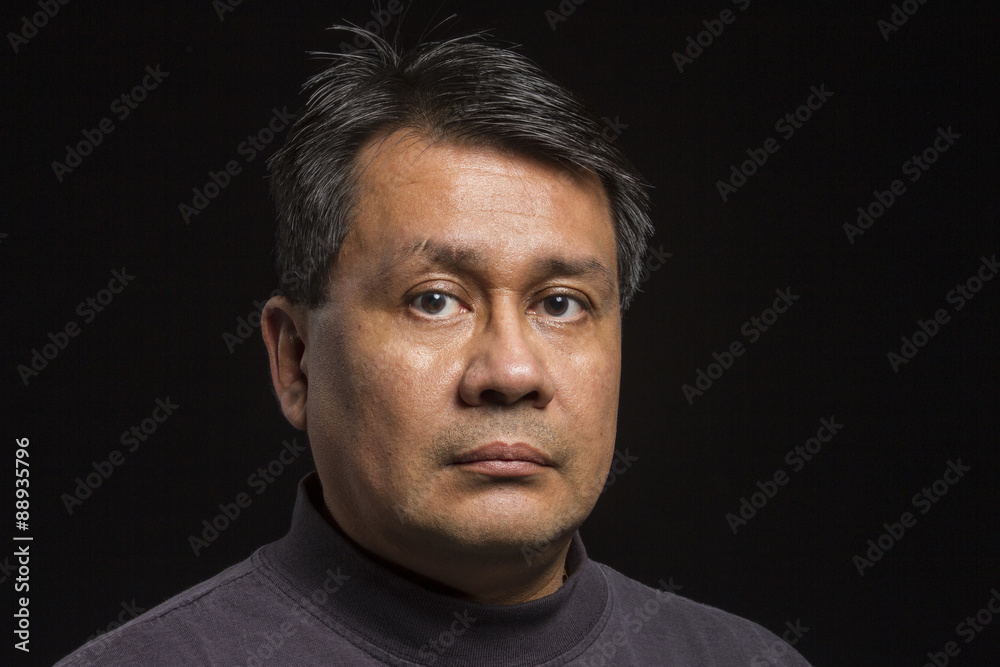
(283, 325)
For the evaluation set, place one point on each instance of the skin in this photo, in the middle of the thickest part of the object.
(444, 331)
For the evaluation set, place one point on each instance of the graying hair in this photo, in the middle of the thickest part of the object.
(465, 90)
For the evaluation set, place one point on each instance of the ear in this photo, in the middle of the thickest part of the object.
(283, 326)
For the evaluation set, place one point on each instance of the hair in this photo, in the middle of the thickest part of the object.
(465, 90)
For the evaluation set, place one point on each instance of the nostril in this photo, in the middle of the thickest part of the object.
(497, 397)
(494, 397)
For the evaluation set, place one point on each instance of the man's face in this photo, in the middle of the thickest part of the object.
(463, 377)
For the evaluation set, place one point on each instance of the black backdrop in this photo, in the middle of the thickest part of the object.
(216, 76)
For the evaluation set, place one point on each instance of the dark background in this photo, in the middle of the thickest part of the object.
(664, 517)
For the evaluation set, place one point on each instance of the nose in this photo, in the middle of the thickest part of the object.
(507, 364)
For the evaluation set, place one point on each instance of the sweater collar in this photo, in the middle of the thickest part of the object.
(369, 602)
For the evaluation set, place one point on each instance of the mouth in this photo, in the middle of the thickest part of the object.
(500, 459)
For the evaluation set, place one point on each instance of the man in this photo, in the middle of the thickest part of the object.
(457, 244)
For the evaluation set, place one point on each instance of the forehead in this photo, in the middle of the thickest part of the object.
(414, 189)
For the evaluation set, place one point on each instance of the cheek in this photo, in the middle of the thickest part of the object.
(589, 386)
(588, 392)
(390, 397)
(378, 404)
(404, 381)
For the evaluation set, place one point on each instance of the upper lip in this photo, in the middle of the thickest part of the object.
(502, 451)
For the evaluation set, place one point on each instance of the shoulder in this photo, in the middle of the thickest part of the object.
(664, 623)
(185, 628)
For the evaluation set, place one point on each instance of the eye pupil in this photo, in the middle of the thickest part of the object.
(433, 302)
(558, 304)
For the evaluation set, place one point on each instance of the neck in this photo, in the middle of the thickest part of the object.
(501, 583)
(511, 578)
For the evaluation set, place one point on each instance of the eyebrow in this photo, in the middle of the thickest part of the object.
(464, 259)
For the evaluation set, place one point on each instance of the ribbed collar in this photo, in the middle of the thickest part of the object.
(403, 618)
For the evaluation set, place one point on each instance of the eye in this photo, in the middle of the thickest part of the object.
(435, 303)
(562, 306)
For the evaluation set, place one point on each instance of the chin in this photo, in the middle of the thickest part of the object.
(502, 531)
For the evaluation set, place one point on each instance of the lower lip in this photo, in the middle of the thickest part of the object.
(498, 468)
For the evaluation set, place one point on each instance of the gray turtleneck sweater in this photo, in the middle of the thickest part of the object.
(312, 598)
